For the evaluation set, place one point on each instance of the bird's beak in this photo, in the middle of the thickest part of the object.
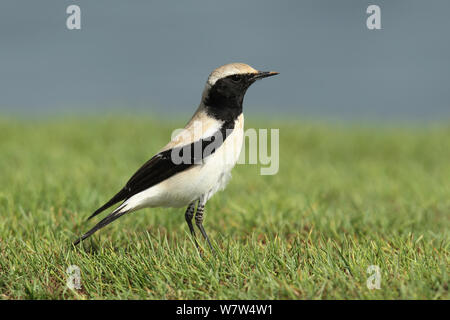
(264, 74)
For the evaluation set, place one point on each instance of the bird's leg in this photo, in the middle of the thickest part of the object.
(199, 219)
(188, 216)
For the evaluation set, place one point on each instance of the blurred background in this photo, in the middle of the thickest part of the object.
(154, 56)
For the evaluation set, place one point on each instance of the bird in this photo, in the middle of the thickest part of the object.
(197, 162)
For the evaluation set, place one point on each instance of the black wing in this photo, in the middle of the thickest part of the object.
(157, 169)
(162, 166)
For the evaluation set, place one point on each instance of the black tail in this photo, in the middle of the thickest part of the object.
(110, 218)
(121, 195)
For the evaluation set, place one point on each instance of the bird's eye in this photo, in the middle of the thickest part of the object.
(236, 78)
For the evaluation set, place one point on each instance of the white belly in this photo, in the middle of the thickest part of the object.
(187, 186)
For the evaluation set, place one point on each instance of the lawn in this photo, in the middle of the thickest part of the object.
(346, 196)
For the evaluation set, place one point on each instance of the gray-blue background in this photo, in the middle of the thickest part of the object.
(156, 56)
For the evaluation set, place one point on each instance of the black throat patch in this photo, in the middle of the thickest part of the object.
(224, 100)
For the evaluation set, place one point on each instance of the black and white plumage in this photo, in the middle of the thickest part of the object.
(198, 161)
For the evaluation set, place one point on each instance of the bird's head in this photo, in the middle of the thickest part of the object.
(226, 86)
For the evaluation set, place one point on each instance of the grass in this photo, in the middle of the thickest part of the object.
(345, 198)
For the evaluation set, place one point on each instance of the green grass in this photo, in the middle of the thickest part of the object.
(345, 197)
